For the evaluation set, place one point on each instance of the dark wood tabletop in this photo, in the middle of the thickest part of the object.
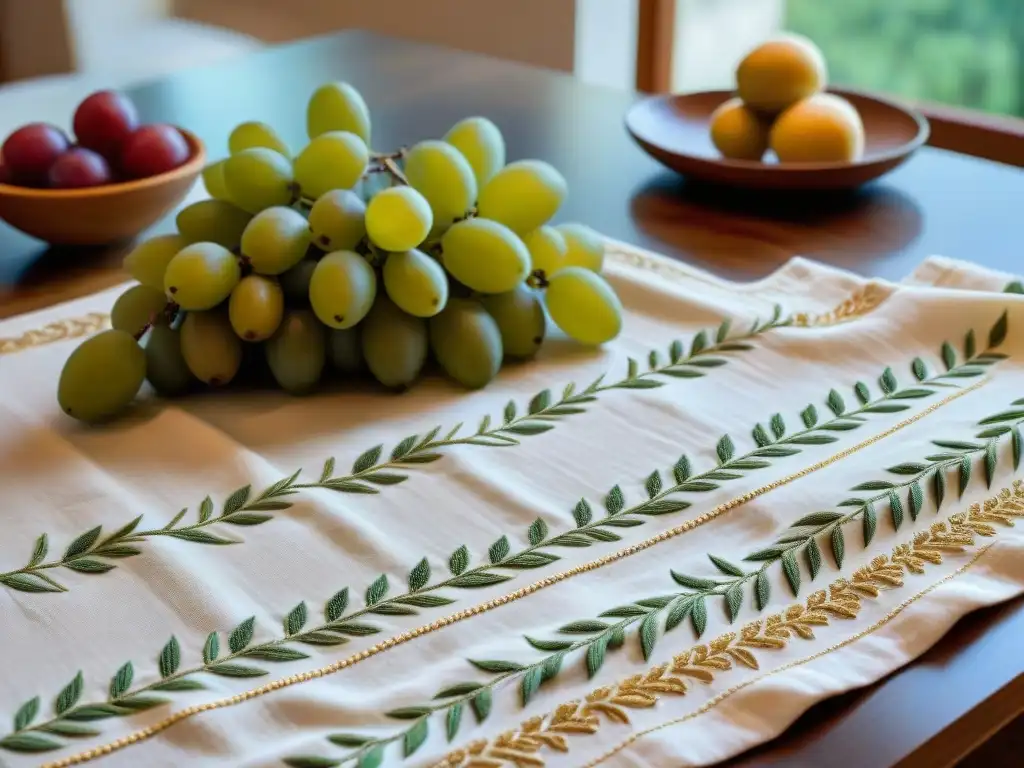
(967, 686)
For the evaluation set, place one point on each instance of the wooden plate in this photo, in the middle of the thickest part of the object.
(675, 131)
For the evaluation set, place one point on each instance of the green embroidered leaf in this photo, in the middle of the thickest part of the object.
(836, 403)
(372, 758)
(778, 426)
(811, 439)
(677, 613)
(459, 689)
(581, 513)
(838, 545)
(762, 590)
(991, 459)
(349, 739)
(651, 383)
(994, 432)
(768, 553)
(235, 670)
(408, 713)
(792, 570)
(911, 394)
(473, 580)
(948, 355)
(72, 730)
(873, 485)
(537, 532)
(376, 591)
(528, 428)
(870, 521)
(681, 470)
(617, 638)
(90, 712)
(321, 638)
(178, 685)
(697, 486)
(625, 522)
(725, 449)
(497, 667)
(1017, 443)
(510, 411)
(170, 657)
(385, 478)
(198, 537)
(614, 501)
(648, 634)
(632, 368)
(422, 458)
(734, 600)
(452, 720)
(530, 683)
(549, 645)
(571, 540)
(415, 737)
(499, 550)
(142, 703)
(916, 499)
(813, 552)
(117, 551)
(888, 382)
(70, 694)
(776, 452)
(809, 416)
(653, 484)
(89, 566)
(965, 474)
(1013, 415)
(726, 567)
(206, 510)
(336, 605)
(345, 486)
(241, 636)
(211, 649)
(584, 626)
(675, 351)
(355, 628)
(1015, 286)
(367, 459)
(998, 333)
(896, 508)
(311, 761)
(83, 543)
(886, 408)
(624, 612)
(816, 518)
(26, 713)
(459, 560)
(419, 576)
(691, 582)
(761, 437)
(656, 602)
(39, 551)
(919, 369)
(956, 445)
(969, 345)
(29, 742)
(328, 470)
(295, 620)
(659, 507)
(862, 392)
(939, 486)
(539, 402)
(482, 704)
(530, 560)
(700, 341)
(699, 616)
(907, 469)
(237, 500)
(723, 331)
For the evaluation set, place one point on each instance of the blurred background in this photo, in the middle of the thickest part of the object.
(964, 53)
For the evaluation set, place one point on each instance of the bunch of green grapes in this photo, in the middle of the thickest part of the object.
(296, 267)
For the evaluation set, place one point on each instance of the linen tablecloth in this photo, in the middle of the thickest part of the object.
(660, 552)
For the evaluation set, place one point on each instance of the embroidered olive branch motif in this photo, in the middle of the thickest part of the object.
(92, 553)
(736, 650)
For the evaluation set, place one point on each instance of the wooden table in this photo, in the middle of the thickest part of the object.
(929, 714)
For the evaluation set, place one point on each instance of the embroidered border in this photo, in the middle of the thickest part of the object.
(61, 330)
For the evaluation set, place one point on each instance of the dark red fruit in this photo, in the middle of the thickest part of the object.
(79, 167)
(29, 152)
(5, 175)
(104, 121)
(153, 149)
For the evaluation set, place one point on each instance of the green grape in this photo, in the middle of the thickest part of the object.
(547, 249)
(148, 261)
(338, 220)
(254, 134)
(485, 255)
(259, 178)
(334, 160)
(212, 350)
(297, 352)
(295, 282)
(256, 308)
(101, 377)
(466, 342)
(481, 143)
(166, 369)
(213, 180)
(521, 320)
(442, 175)
(523, 195)
(394, 344)
(338, 107)
(416, 283)
(345, 350)
(276, 240)
(583, 305)
(201, 276)
(398, 219)
(342, 289)
(136, 308)
(585, 246)
(213, 221)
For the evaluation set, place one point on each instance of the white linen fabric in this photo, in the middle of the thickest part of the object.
(700, 698)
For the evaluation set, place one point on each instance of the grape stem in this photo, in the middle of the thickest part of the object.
(537, 279)
(396, 173)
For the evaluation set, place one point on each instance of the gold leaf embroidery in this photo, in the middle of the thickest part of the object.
(72, 328)
(843, 600)
(863, 301)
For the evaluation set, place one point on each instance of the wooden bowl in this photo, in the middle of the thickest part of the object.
(100, 215)
(675, 130)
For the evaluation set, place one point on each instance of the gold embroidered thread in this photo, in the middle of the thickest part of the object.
(843, 600)
(404, 637)
(73, 328)
(866, 299)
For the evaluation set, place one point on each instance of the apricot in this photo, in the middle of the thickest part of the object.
(780, 72)
(823, 128)
(738, 132)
